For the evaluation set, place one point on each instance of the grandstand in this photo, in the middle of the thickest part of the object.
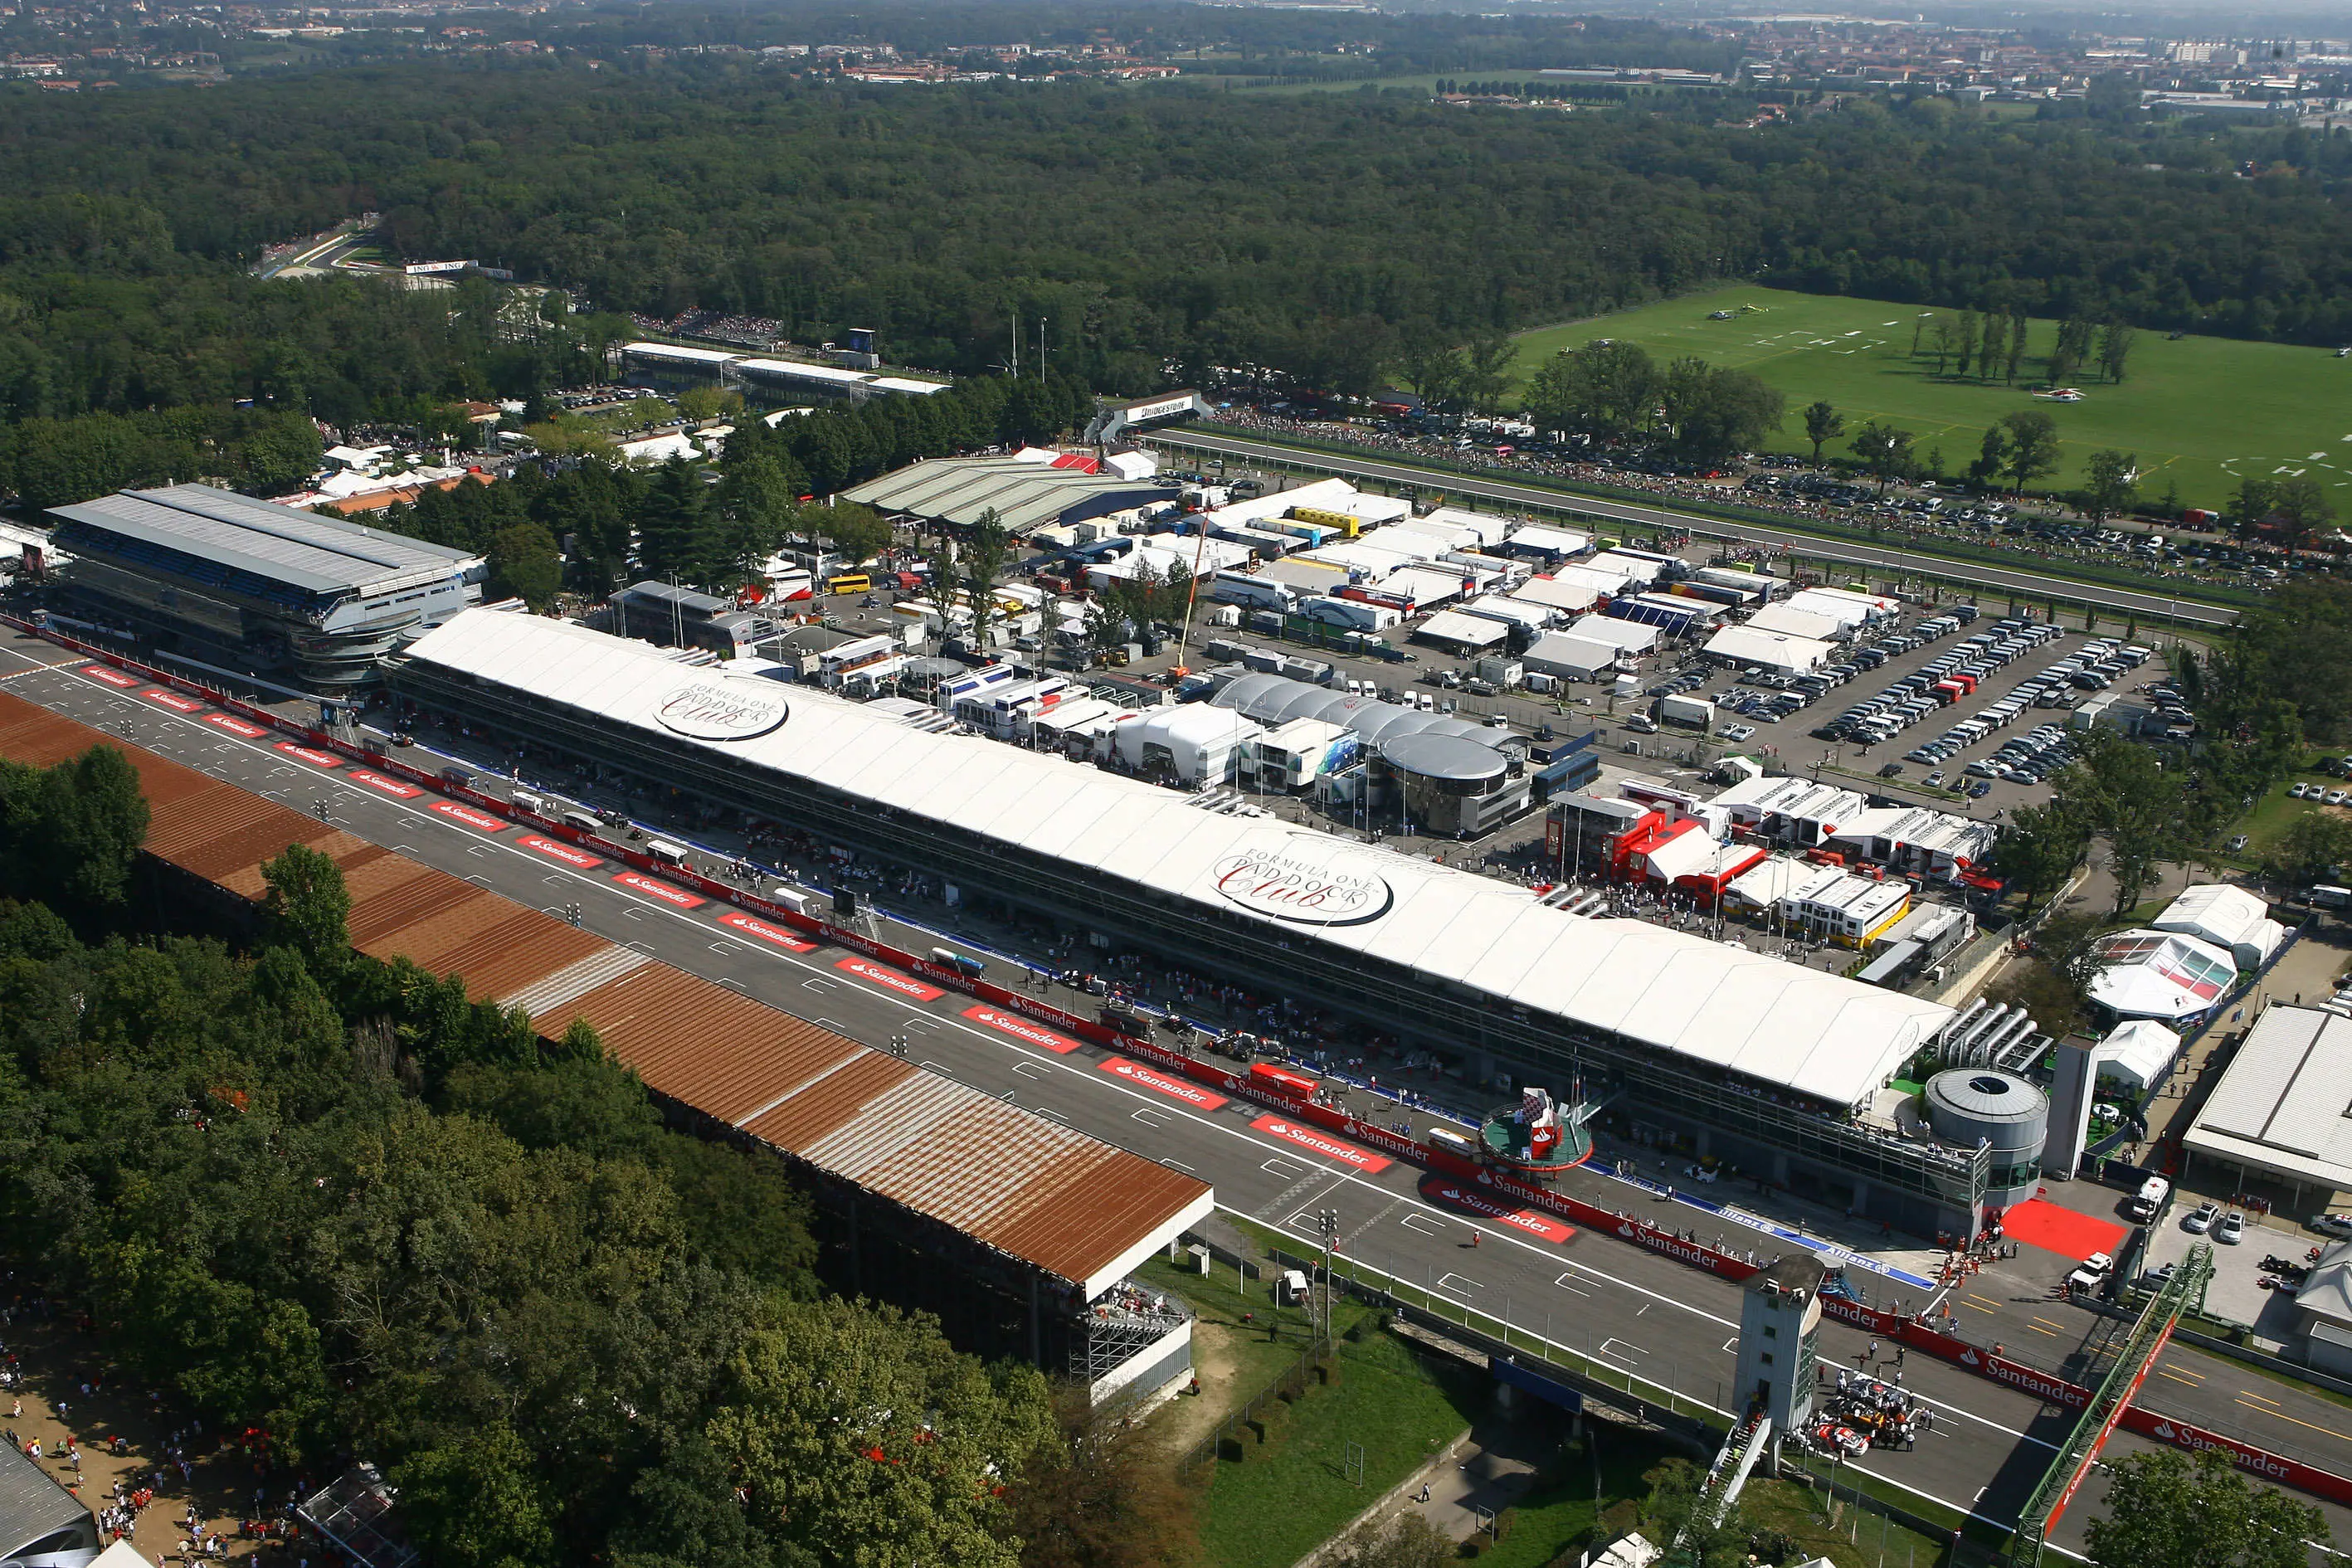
(212, 575)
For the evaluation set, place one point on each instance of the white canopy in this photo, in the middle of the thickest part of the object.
(1775, 1023)
(1786, 654)
(2137, 1051)
(1462, 629)
(2228, 916)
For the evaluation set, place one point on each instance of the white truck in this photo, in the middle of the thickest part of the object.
(1691, 712)
(1354, 614)
(1244, 588)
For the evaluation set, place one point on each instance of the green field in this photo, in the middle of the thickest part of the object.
(2200, 413)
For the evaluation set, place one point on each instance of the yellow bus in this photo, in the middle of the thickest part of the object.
(852, 583)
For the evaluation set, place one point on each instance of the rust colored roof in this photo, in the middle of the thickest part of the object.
(1065, 1202)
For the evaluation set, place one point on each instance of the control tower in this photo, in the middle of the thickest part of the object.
(1779, 1328)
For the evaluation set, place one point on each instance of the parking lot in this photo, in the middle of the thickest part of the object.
(2238, 1293)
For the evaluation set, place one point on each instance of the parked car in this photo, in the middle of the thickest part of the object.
(2232, 1228)
(2200, 1220)
(2333, 1225)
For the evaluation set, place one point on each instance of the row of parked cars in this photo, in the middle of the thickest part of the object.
(1934, 685)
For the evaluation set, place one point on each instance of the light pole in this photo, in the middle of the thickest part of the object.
(1326, 1222)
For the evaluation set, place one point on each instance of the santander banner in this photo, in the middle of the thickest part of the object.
(1454, 1196)
(1021, 1029)
(891, 979)
(1173, 1088)
(1329, 1148)
(752, 925)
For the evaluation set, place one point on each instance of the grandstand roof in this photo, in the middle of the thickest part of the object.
(298, 550)
(1059, 1200)
(1748, 1014)
(1024, 496)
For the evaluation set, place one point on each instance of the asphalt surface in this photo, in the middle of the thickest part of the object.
(1882, 558)
(1590, 1294)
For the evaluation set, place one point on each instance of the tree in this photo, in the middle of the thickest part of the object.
(2295, 649)
(1100, 1495)
(710, 402)
(2125, 794)
(858, 532)
(2300, 508)
(476, 1503)
(2112, 481)
(2017, 330)
(1487, 363)
(2032, 442)
(2166, 1510)
(1823, 425)
(980, 564)
(1716, 414)
(1605, 389)
(1964, 342)
(2115, 349)
(2251, 506)
(2311, 850)
(1707, 1534)
(309, 907)
(1946, 339)
(1992, 456)
(526, 565)
(1884, 450)
(1430, 367)
(674, 534)
(844, 1423)
(2056, 1002)
(2040, 848)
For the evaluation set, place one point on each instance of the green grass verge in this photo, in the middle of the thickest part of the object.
(1270, 1509)
(2199, 412)
(2276, 815)
(1800, 1515)
(1274, 1336)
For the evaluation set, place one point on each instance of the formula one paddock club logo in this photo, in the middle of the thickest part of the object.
(720, 710)
(1291, 878)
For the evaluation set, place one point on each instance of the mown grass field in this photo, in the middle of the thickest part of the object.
(2200, 413)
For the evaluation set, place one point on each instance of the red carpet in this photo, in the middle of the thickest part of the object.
(2046, 1224)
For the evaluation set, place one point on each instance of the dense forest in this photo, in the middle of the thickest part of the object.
(1158, 231)
(334, 1204)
